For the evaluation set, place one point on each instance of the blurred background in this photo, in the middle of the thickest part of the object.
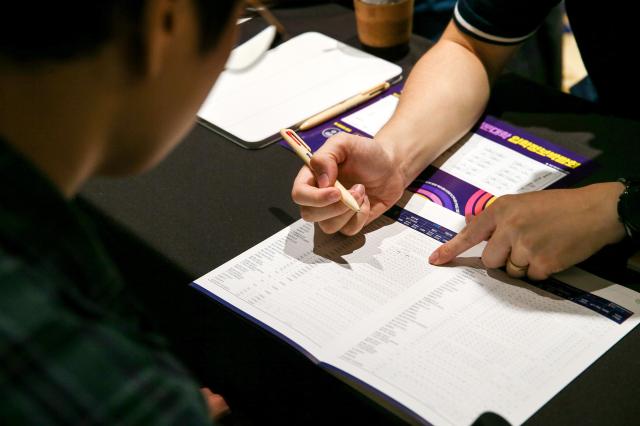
(550, 57)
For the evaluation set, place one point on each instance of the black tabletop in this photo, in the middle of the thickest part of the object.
(211, 199)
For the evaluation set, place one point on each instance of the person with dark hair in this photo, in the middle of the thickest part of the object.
(91, 88)
(535, 234)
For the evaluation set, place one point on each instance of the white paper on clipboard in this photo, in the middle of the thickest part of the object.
(294, 81)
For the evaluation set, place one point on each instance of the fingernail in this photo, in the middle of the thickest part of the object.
(433, 259)
(334, 196)
(359, 189)
(323, 180)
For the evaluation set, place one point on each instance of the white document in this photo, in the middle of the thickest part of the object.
(445, 343)
(496, 168)
(292, 82)
(372, 118)
(448, 343)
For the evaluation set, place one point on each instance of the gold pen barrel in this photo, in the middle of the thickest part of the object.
(303, 151)
(344, 106)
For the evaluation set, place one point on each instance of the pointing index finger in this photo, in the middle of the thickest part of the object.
(475, 232)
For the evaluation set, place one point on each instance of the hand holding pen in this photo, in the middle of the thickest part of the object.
(304, 152)
(357, 159)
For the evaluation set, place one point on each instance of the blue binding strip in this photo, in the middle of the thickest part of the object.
(439, 233)
(604, 307)
(420, 224)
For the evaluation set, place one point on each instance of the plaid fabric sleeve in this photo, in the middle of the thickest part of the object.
(501, 21)
(61, 367)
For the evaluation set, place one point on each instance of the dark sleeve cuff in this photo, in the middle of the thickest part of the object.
(629, 208)
(505, 22)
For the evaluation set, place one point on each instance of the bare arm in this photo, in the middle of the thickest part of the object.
(445, 94)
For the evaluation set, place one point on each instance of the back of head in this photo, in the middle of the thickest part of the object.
(113, 84)
(36, 31)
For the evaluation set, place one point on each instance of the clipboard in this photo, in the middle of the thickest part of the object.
(292, 82)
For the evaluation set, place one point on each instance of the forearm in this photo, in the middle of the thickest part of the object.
(444, 96)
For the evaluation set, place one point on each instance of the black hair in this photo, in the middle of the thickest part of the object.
(34, 31)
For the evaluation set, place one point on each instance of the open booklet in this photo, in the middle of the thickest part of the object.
(441, 345)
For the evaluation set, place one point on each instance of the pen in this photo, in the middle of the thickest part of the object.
(344, 106)
(304, 152)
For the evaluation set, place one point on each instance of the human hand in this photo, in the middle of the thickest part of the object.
(361, 164)
(540, 233)
(217, 405)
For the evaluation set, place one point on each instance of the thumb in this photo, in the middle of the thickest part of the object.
(326, 160)
(217, 405)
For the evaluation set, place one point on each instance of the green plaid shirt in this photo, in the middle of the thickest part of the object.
(72, 347)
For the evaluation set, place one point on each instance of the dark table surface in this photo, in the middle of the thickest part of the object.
(211, 200)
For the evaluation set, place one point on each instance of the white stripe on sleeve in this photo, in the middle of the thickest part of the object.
(466, 25)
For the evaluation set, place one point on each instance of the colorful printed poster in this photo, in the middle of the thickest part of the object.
(494, 159)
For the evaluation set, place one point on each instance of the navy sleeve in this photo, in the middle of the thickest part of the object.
(501, 21)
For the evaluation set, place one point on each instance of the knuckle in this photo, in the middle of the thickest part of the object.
(295, 193)
(513, 221)
(537, 274)
(305, 214)
(446, 250)
(339, 137)
(502, 205)
(498, 204)
(350, 230)
(527, 243)
(544, 265)
(327, 227)
(318, 162)
(489, 261)
(466, 238)
(317, 159)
